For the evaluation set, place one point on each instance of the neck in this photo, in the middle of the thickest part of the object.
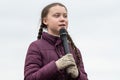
(57, 35)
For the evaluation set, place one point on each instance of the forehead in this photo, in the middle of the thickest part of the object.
(57, 9)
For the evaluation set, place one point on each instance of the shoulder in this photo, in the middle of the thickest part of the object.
(37, 43)
(40, 44)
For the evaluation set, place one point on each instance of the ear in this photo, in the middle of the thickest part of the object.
(45, 21)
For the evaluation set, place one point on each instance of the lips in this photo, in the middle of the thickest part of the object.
(62, 25)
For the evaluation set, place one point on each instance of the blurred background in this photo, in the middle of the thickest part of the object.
(94, 25)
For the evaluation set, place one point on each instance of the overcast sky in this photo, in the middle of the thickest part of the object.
(94, 26)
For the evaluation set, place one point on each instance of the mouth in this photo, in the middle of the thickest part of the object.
(62, 25)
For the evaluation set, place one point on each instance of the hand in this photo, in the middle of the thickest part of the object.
(65, 61)
(73, 71)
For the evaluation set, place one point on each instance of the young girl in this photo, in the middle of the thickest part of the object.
(45, 59)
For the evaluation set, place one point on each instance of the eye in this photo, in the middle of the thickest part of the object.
(56, 15)
(65, 15)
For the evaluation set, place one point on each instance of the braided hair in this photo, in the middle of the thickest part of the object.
(44, 13)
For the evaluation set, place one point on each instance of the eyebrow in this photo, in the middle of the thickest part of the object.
(60, 13)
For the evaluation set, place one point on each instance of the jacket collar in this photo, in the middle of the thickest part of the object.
(54, 40)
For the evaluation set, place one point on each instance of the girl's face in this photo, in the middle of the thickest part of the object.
(56, 19)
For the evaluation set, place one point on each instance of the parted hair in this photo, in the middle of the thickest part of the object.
(44, 13)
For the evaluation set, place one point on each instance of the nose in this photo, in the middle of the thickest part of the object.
(62, 19)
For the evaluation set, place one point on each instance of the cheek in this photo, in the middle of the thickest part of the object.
(53, 21)
(67, 24)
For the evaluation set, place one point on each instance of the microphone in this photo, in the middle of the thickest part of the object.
(63, 36)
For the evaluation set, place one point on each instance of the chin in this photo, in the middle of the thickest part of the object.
(63, 27)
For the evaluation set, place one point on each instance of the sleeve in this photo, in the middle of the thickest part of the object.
(33, 69)
(82, 73)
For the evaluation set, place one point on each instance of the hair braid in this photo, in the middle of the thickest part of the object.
(40, 33)
(75, 49)
(41, 30)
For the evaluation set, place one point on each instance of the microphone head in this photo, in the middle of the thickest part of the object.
(63, 32)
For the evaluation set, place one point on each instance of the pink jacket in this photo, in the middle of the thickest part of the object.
(41, 57)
